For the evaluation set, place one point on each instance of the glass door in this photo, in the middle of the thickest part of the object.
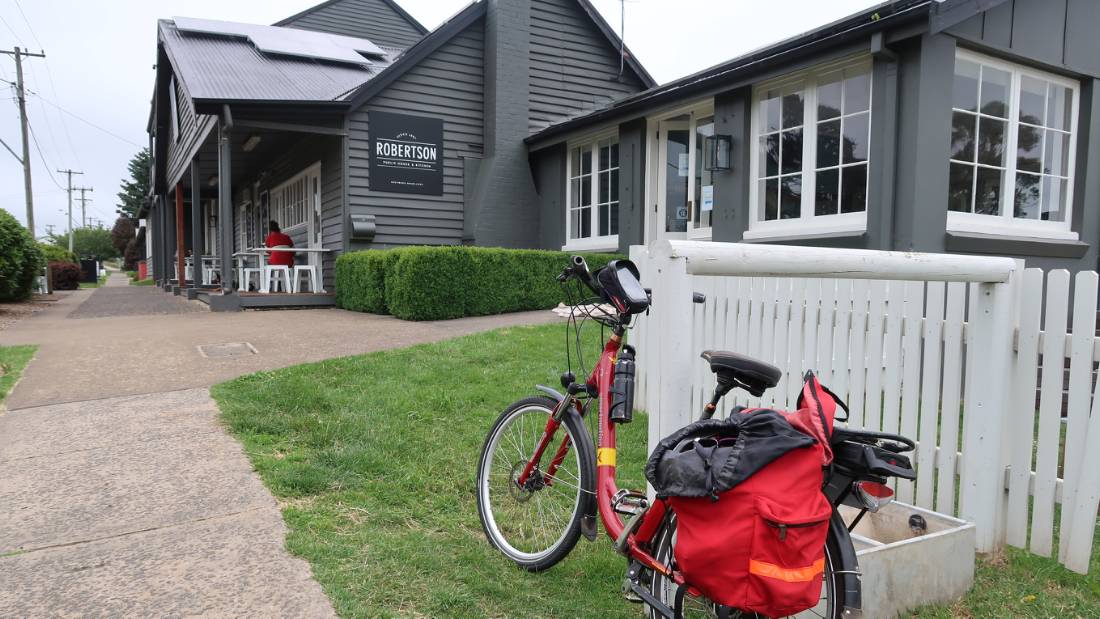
(674, 156)
(684, 189)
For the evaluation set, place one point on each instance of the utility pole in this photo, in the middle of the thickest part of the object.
(49, 229)
(70, 173)
(21, 96)
(83, 203)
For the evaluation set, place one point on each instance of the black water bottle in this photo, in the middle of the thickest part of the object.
(622, 387)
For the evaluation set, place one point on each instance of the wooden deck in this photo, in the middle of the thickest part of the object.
(259, 300)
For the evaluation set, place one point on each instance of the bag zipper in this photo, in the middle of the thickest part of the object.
(783, 527)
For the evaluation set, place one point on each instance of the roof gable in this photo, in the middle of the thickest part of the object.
(382, 21)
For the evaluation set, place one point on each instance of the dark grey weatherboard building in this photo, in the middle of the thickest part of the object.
(355, 128)
(966, 126)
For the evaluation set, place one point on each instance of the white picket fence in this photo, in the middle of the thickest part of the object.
(944, 349)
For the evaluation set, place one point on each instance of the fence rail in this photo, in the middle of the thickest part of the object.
(949, 350)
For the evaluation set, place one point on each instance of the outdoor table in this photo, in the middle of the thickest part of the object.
(262, 253)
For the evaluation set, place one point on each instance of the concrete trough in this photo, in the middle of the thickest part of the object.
(903, 569)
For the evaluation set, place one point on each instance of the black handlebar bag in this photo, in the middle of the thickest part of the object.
(751, 517)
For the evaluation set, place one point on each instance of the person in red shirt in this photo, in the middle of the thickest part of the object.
(276, 238)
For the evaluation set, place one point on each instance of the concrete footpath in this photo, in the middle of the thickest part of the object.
(120, 494)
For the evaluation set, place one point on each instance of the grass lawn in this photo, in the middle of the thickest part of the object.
(12, 361)
(373, 460)
(141, 282)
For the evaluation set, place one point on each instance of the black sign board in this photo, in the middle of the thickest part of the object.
(406, 153)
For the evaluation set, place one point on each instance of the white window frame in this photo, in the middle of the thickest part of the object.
(594, 242)
(279, 205)
(809, 224)
(1006, 224)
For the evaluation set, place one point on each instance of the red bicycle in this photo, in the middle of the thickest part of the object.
(541, 481)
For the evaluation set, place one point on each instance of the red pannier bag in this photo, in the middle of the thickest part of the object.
(751, 517)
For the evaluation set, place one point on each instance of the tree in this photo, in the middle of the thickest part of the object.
(88, 243)
(122, 233)
(136, 188)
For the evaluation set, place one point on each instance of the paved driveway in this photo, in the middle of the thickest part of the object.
(120, 494)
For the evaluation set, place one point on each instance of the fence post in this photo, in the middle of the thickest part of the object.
(981, 491)
(672, 308)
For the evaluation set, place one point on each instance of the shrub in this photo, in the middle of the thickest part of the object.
(53, 253)
(20, 259)
(437, 283)
(361, 280)
(65, 275)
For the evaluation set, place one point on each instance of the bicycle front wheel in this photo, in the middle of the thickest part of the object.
(830, 606)
(537, 523)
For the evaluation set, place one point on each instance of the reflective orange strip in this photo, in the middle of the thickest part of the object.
(798, 574)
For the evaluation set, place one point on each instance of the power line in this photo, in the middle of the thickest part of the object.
(27, 21)
(34, 138)
(88, 122)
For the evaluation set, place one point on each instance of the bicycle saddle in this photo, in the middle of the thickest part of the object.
(741, 371)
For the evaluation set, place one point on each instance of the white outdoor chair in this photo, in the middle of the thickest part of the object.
(272, 274)
(308, 270)
(245, 278)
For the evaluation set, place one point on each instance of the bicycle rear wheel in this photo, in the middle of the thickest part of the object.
(830, 606)
(537, 524)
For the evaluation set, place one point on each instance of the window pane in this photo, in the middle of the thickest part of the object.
(1058, 107)
(963, 128)
(828, 97)
(792, 110)
(1056, 154)
(614, 217)
(1054, 199)
(792, 151)
(960, 187)
(586, 222)
(853, 189)
(987, 199)
(769, 112)
(965, 96)
(604, 188)
(826, 192)
(614, 189)
(605, 220)
(828, 143)
(575, 162)
(605, 157)
(615, 155)
(1029, 148)
(994, 91)
(769, 153)
(575, 224)
(991, 141)
(586, 161)
(790, 200)
(857, 93)
(769, 199)
(1027, 196)
(585, 198)
(855, 138)
(1033, 95)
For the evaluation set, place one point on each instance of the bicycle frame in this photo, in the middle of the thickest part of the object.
(606, 488)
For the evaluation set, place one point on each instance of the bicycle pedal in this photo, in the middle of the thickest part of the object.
(629, 503)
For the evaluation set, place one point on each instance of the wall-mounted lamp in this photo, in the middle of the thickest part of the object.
(251, 143)
(717, 153)
(212, 181)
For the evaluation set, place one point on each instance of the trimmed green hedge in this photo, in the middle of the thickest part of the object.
(53, 253)
(438, 283)
(20, 259)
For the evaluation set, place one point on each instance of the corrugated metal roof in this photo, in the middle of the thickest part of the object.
(221, 68)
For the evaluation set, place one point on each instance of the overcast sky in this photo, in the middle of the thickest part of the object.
(89, 99)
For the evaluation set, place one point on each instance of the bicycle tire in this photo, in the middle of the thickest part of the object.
(833, 587)
(584, 458)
